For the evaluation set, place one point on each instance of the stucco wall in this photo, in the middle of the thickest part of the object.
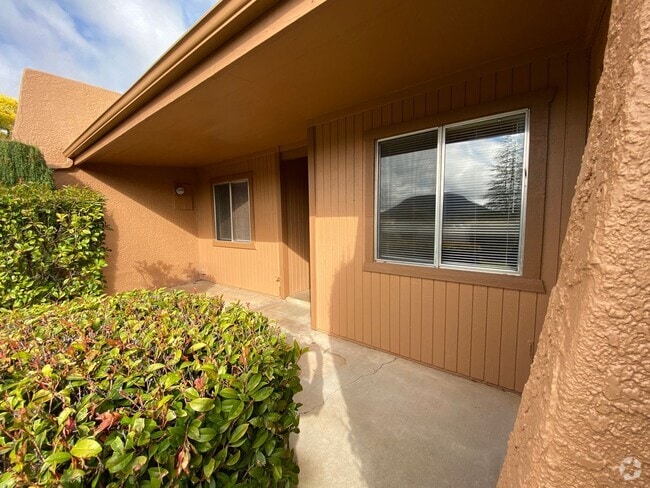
(53, 111)
(152, 235)
(584, 418)
(152, 242)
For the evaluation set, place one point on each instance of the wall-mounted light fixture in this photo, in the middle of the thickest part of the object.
(183, 196)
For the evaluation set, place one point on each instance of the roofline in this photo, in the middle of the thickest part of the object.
(206, 36)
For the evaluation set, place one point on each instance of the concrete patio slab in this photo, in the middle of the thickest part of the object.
(370, 419)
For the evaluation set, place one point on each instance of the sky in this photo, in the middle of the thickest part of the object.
(107, 43)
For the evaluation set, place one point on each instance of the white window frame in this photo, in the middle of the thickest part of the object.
(440, 168)
(232, 221)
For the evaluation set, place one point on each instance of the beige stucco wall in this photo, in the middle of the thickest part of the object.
(584, 418)
(152, 242)
(53, 111)
(153, 234)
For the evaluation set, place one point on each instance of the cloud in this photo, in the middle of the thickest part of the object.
(109, 43)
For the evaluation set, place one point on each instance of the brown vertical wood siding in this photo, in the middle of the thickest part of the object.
(483, 332)
(258, 267)
(295, 215)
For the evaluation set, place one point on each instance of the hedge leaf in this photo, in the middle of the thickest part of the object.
(110, 391)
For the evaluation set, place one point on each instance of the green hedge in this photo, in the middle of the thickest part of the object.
(147, 389)
(21, 163)
(51, 244)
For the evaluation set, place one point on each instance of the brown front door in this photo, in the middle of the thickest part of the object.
(295, 225)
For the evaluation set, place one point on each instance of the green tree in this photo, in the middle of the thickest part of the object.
(8, 107)
(22, 163)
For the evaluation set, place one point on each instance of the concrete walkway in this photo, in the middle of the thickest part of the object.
(370, 419)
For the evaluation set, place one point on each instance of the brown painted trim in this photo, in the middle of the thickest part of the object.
(237, 245)
(251, 198)
(530, 280)
(458, 276)
(535, 100)
(283, 278)
(294, 151)
(311, 170)
(284, 233)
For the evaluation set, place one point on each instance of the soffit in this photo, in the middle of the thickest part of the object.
(339, 54)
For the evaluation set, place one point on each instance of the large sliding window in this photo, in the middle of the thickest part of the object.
(453, 196)
(232, 211)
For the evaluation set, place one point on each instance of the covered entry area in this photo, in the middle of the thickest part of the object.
(255, 80)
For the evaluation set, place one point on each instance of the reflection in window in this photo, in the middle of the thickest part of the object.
(407, 207)
(481, 173)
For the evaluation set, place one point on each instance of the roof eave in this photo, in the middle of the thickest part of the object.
(214, 29)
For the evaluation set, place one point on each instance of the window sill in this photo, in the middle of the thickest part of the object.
(459, 276)
(234, 245)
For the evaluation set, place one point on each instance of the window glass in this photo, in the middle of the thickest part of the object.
(240, 211)
(222, 212)
(482, 174)
(232, 211)
(407, 198)
(483, 168)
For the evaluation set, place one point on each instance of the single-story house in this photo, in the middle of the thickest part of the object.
(411, 163)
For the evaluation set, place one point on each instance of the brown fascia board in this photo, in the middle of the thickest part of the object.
(214, 29)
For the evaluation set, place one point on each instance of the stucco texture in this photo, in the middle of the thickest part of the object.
(584, 418)
(152, 242)
(53, 111)
(152, 233)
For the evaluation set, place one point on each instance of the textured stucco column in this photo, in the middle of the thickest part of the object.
(584, 418)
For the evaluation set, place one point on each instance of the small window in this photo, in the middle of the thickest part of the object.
(453, 196)
(232, 211)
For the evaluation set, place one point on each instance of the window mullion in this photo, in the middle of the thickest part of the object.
(524, 193)
(248, 197)
(376, 203)
(216, 211)
(439, 197)
(232, 215)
